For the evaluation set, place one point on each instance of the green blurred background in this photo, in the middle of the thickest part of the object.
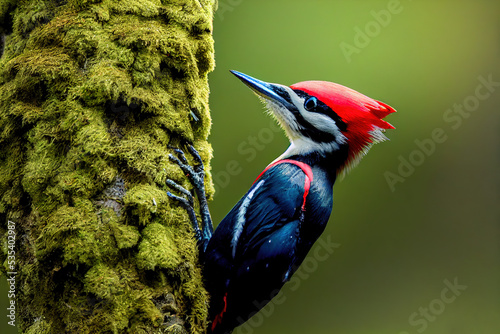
(395, 246)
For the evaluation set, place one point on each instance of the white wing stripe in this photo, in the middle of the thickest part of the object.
(240, 217)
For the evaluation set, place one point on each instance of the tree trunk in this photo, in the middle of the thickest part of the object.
(93, 95)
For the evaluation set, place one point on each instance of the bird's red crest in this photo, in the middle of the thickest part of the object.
(363, 115)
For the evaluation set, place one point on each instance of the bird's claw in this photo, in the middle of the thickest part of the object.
(196, 175)
(182, 190)
(186, 203)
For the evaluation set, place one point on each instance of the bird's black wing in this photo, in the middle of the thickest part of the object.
(262, 234)
(275, 205)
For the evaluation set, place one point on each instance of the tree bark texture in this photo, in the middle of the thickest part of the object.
(93, 96)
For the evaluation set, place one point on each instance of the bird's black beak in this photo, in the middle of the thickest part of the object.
(273, 92)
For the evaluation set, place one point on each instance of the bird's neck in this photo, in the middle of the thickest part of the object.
(331, 163)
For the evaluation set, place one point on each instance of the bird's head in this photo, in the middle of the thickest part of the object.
(323, 118)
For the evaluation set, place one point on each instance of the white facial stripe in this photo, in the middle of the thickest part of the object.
(301, 144)
(319, 121)
(283, 116)
(323, 123)
(304, 145)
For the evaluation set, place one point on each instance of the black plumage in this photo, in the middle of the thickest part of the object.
(274, 238)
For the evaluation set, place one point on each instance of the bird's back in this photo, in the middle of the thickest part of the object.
(258, 245)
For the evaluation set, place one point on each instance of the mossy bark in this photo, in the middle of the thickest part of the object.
(93, 95)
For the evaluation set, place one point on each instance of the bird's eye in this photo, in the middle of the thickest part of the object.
(311, 103)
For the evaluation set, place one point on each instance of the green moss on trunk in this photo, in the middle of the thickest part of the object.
(92, 94)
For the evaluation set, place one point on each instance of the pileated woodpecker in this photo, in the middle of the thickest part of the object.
(265, 237)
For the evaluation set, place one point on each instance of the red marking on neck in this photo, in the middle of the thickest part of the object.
(305, 168)
(218, 317)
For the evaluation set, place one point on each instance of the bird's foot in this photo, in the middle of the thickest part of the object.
(196, 175)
